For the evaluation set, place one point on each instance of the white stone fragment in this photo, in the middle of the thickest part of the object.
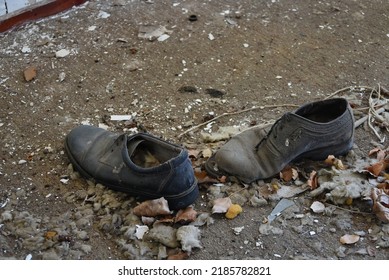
(62, 53)
(140, 231)
(26, 49)
(238, 230)
(163, 37)
(103, 14)
(121, 117)
(64, 181)
(317, 207)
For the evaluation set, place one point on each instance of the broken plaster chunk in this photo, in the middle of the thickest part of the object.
(189, 237)
(121, 117)
(140, 231)
(238, 230)
(318, 207)
(163, 37)
(62, 53)
(103, 15)
(165, 235)
(267, 229)
(26, 49)
(152, 32)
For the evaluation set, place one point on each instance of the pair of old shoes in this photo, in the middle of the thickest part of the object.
(149, 167)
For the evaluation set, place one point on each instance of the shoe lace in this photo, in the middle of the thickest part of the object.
(277, 127)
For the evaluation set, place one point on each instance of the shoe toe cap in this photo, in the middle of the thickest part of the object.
(81, 139)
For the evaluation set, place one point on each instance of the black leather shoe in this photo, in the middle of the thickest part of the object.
(141, 165)
(313, 131)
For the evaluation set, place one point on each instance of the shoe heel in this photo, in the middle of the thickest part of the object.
(183, 200)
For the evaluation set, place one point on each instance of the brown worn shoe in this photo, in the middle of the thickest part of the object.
(313, 131)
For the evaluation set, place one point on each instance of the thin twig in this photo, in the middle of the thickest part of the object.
(348, 210)
(348, 88)
(363, 119)
(234, 113)
(373, 112)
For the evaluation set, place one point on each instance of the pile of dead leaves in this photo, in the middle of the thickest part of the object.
(380, 193)
(178, 231)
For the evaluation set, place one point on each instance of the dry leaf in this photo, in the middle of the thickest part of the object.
(207, 153)
(30, 73)
(288, 174)
(233, 211)
(222, 179)
(373, 151)
(152, 208)
(378, 167)
(221, 205)
(186, 216)
(167, 219)
(380, 153)
(384, 186)
(50, 234)
(312, 181)
(337, 163)
(380, 204)
(349, 201)
(175, 254)
(202, 177)
(349, 239)
(371, 251)
(193, 153)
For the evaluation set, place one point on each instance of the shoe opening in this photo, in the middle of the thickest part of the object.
(148, 155)
(324, 111)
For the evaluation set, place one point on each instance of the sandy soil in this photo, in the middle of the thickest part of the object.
(257, 53)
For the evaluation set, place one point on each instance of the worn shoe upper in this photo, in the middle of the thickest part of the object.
(313, 131)
(141, 165)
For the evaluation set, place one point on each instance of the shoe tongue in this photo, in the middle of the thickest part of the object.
(132, 145)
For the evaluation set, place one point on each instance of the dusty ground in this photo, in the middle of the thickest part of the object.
(258, 53)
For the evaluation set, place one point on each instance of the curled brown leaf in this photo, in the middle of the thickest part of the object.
(349, 239)
(221, 205)
(152, 208)
(313, 180)
(186, 216)
(337, 163)
(377, 168)
(380, 204)
(288, 174)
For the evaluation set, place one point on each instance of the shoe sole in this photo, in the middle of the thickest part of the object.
(323, 153)
(178, 201)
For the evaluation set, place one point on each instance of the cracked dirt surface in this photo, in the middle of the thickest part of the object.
(254, 53)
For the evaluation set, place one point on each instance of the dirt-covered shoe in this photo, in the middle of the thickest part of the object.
(141, 165)
(313, 131)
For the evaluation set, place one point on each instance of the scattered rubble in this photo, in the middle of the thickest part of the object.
(47, 211)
